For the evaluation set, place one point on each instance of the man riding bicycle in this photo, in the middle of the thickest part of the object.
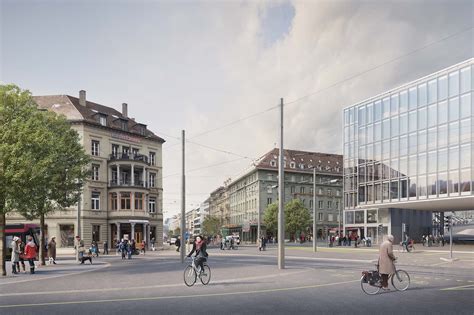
(386, 259)
(199, 246)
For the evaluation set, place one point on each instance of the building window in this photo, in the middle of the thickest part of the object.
(95, 172)
(95, 199)
(152, 180)
(320, 204)
(125, 201)
(273, 163)
(152, 158)
(329, 204)
(124, 125)
(125, 150)
(134, 152)
(338, 192)
(337, 205)
(152, 205)
(113, 201)
(292, 189)
(269, 189)
(292, 164)
(311, 204)
(320, 216)
(95, 149)
(103, 120)
(320, 191)
(269, 201)
(302, 190)
(115, 150)
(96, 233)
(329, 192)
(330, 217)
(138, 201)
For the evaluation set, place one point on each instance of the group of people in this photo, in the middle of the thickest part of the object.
(430, 240)
(128, 248)
(22, 252)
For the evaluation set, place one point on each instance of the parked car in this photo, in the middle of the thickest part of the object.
(172, 240)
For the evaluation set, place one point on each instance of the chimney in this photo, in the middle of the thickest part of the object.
(125, 109)
(82, 98)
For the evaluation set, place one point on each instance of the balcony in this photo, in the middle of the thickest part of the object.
(128, 183)
(129, 157)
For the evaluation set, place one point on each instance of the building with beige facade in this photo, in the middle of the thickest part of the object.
(123, 196)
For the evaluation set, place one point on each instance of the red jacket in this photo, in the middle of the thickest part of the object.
(30, 250)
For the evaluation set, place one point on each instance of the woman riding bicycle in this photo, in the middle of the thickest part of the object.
(199, 246)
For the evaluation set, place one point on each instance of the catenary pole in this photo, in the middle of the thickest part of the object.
(281, 197)
(78, 223)
(315, 238)
(183, 198)
(450, 237)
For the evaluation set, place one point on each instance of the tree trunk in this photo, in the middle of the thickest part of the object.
(41, 244)
(3, 245)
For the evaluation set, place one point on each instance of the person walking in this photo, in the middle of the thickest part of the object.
(15, 255)
(52, 250)
(123, 247)
(143, 247)
(200, 248)
(30, 253)
(177, 243)
(21, 246)
(106, 248)
(80, 247)
(386, 259)
(153, 244)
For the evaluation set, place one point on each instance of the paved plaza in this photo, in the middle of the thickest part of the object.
(244, 281)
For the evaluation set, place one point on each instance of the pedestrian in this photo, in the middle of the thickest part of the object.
(199, 247)
(356, 239)
(177, 243)
(123, 248)
(80, 247)
(349, 240)
(30, 253)
(143, 246)
(22, 258)
(106, 248)
(15, 255)
(52, 250)
(95, 249)
(153, 244)
(386, 259)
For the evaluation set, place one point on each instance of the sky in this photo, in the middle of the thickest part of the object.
(206, 66)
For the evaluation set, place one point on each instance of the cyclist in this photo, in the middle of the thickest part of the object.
(386, 259)
(199, 246)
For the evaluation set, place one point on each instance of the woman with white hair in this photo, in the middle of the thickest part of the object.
(386, 259)
(15, 255)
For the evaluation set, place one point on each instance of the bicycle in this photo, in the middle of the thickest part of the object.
(371, 281)
(191, 272)
(408, 248)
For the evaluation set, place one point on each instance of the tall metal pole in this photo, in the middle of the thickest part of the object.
(281, 198)
(78, 223)
(315, 238)
(450, 237)
(183, 199)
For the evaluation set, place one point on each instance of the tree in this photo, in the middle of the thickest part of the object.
(19, 137)
(270, 218)
(211, 226)
(177, 231)
(62, 161)
(297, 217)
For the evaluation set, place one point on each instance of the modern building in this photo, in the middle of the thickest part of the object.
(252, 192)
(409, 152)
(123, 196)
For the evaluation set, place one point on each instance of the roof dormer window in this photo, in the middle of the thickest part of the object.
(124, 125)
(273, 163)
(292, 164)
(103, 120)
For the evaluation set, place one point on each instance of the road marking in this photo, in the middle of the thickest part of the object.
(463, 287)
(157, 286)
(58, 276)
(155, 298)
(302, 258)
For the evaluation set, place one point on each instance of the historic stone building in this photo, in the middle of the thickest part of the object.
(123, 196)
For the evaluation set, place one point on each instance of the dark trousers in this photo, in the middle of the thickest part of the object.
(32, 265)
(177, 248)
(200, 261)
(384, 280)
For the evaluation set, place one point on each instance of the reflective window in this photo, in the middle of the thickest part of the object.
(465, 155)
(403, 168)
(454, 109)
(432, 92)
(422, 147)
(403, 101)
(412, 98)
(370, 113)
(442, 88)
(453, 183)
(394, 146)
(466, 105)
(442, 112)
(443, 160)
(432, 138)
(465, 130)
(422, 118)
(432, 162)
(394, 126)
(378, 151)
(453, 133)
(394, 168)
(465, 181)
(371, 216)
(442, 136)
(454, 158)
(378, 110)
(412, 143)
(394, 104)
(403, 145)
(422, 163)
(422, 190)
(349, 217)
(412, 161)
(378, 131)
(362, 115)
(453, 83)
(403, 189)
(370, 133)
(359, 217)
(422, 95)
(386, 107)
(386, 128)
(412, 187)
(443, 183)
(431, 185)
(403, 124)
(432, 115)
(412, 121)
(386, 150)
(394, 190)
(465, 79)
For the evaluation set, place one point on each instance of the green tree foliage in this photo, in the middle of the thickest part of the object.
(211, 226)
(297, 217)
(177, 231)
(270, 218)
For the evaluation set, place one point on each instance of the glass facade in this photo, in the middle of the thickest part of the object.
(412, 143)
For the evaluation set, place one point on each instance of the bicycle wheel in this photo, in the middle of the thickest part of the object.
(400, 248)
(205, 275)
(401, 280)
(367, 287)
(189, 276)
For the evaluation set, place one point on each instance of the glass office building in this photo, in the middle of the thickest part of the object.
(408, 152)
